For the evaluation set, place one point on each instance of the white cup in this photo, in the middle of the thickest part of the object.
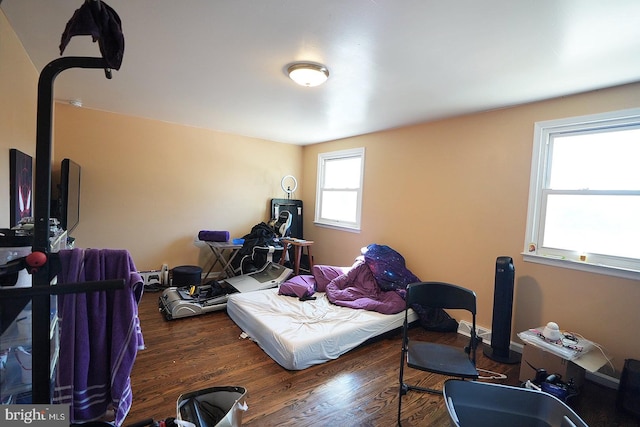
(552, 332)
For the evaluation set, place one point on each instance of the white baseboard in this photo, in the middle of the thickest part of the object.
(603, 380)
(464, 328)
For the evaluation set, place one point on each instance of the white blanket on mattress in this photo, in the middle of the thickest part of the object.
(298, 334)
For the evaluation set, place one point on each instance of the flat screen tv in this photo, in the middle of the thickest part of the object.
(69, 202)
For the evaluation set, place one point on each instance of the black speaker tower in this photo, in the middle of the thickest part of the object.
(502, 311)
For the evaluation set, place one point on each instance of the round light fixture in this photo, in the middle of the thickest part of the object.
(308, 74)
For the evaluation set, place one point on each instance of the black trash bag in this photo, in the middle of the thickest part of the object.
(435, 319)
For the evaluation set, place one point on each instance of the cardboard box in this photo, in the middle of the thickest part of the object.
(535, 357)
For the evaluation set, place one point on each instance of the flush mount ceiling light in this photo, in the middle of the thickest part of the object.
(308, 74)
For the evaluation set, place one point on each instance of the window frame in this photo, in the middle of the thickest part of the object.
(337, 155)
(544, 131)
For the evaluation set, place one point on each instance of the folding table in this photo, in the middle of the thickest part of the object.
(223, 253)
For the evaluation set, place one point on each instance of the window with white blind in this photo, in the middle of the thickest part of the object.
(339, 189)
(584, 200)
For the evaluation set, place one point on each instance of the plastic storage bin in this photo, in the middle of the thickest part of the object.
(472, 403)
(213, 407)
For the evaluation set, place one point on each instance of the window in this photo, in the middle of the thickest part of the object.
(339, 188)
(584, 200)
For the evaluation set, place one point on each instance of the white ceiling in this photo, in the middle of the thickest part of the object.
(219, 64)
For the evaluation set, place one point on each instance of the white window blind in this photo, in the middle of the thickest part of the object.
(584, 201)
(339, 188)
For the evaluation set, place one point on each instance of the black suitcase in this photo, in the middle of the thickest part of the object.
(628, 399)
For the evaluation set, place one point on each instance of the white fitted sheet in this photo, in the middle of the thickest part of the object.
(298, 334)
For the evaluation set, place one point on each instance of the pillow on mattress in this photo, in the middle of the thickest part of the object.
(302, 286)
(326, 273)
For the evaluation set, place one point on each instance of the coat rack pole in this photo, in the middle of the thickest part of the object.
(41, 303)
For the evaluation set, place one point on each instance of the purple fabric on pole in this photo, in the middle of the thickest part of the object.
(213, 236)
(100, 335)
(103, 24)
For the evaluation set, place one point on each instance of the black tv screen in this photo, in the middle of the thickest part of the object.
(69, 195)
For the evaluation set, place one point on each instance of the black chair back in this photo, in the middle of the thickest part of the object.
(441, 295)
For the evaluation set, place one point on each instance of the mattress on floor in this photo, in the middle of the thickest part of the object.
(298, 334)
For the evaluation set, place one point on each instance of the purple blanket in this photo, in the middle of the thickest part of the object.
(358, 289)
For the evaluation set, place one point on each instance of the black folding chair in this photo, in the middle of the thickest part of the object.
(431, 357)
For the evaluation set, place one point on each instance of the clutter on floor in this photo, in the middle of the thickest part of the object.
(194, 299)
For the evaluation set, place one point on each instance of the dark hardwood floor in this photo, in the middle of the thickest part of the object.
(358, 389)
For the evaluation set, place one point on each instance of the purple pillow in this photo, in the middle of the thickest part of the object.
(298, 286)
(326, 273)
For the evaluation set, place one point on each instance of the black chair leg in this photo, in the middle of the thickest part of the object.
(403, 387)
(400, 405)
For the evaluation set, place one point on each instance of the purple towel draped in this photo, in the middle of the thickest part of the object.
(213, 236)
(100, 335)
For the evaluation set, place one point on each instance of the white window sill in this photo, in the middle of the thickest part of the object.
(582, 266)
(337, 227)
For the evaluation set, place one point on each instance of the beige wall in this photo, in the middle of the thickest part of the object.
(18, 94)
(451, 196)
(150, 186)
